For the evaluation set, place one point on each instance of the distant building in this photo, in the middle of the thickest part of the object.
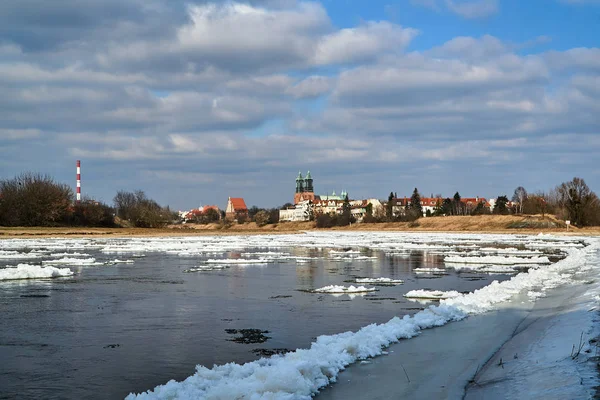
(300, 212)
(432, 204)
(304, 188)
(197, 213)
(236, 208)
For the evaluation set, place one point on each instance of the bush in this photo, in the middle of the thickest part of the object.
(34, 200)
(92, 213)
(326, 220)
(262, 218)
(140, 211)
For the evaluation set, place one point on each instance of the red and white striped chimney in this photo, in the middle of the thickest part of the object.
(78, 181)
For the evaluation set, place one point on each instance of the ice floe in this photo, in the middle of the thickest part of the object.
(16, 255)
(385, 281)
(27, 271)
(432, 294)
(435, 271)
(73, 261)
(335, 289)
(496, 260)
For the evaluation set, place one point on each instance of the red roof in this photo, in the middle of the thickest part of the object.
(238, 203)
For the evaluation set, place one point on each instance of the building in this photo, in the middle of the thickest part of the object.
(358, 208)
(304, 188)
(432, 204)
(300, 212)
(196, 214)
(236, 208)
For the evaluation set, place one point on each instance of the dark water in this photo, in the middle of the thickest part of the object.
(112, 330)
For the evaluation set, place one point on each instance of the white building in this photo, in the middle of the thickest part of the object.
(301, 212)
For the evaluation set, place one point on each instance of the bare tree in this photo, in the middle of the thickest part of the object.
(519, 197)
(580, 203)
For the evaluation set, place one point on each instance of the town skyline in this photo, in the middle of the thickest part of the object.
(477, 96)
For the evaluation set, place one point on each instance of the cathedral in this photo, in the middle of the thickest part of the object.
(304, 188)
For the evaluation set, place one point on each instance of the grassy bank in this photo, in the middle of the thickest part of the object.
(525, 224)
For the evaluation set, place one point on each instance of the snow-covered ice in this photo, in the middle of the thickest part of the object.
(73, 261)
(27, 271)
(496, 260)
(432, 294)
(343, 289)
(386, 281)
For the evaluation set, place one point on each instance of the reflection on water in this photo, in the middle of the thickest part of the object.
(111, 330)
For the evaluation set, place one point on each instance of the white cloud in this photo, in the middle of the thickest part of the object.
(363, 43)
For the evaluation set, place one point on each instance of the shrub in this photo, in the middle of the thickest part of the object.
(34, 200)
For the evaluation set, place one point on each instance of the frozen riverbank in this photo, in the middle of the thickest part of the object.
(441, 363)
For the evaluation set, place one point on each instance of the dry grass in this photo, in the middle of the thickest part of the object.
(530, 224)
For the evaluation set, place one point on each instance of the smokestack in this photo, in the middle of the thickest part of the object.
(78, 181)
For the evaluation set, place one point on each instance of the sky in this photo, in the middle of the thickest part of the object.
(195, 101)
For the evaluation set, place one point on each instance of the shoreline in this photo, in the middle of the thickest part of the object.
(462, 359)
(69, 232)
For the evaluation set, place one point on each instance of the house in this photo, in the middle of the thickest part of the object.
(196, 214)
(432, 204)
(236, 208)
(300, 212)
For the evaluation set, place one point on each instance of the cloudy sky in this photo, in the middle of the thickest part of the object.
(194, 101)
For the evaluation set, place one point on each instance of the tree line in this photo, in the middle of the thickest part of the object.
(572, 200)
(31, 199)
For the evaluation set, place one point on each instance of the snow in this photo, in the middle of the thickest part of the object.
(432, 294)
(388, 281)
(343, 289)
(496, 260)
(27, 271)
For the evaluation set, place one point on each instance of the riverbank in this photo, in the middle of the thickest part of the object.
(522, 350)
(511, 224)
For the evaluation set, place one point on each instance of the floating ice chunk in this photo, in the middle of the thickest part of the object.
(436, 271)
(346, 252)
(69, 255)
(498, 260)
(117, 261)
(27, 271)
(344, 289)
(73, 261)
(202, 268)
(240, 261)
(432, 294)
(354, 258)
(16, 255)
(387, 281)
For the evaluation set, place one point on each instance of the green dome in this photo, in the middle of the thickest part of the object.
(299, 178)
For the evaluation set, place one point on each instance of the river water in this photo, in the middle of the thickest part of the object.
(112, 329)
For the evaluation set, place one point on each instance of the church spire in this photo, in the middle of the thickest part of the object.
(308, 183)
(299, 183)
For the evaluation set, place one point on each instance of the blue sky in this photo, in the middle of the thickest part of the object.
(196, 101)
